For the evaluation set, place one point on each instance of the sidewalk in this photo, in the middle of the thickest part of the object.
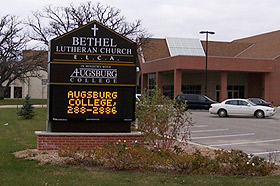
(19, 106)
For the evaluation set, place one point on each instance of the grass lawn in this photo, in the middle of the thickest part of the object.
(20, 101)
(19, 135)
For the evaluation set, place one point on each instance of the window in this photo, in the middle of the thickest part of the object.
(235, 91)
(7, 93)
(202, 99)
(151, 81)
(218, 88)
(17, 92)
(168, 90)
(243, 103)
(257, 101)
(192, 97)
(184, 46)
(191, 89)
(232, 102)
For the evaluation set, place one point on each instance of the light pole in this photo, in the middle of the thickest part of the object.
(206, 57)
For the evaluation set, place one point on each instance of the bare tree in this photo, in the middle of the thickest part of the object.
(12, 64)
(65, 18)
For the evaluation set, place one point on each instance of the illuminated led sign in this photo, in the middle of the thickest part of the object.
(92, 80)
(92, 103)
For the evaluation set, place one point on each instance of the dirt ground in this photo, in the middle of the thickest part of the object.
(52, 156)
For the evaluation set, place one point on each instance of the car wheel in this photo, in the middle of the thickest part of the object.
(259, 114)
(222, 113)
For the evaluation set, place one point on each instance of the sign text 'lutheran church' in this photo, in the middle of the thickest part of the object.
(92, 78)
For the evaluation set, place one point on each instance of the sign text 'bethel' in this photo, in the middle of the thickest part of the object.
(94, 45)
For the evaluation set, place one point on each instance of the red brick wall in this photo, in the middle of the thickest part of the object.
(85, 141)
(267, 70)
(255, 85)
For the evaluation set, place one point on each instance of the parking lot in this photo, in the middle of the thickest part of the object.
(254, 136)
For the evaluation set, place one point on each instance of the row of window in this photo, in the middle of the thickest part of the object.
(168, 90)
(234, 91)
(17, 92)
(237, 102)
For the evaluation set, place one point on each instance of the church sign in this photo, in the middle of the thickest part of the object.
(92, 79)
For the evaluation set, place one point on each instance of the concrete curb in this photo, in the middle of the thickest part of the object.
(201, 145)
(19, 106)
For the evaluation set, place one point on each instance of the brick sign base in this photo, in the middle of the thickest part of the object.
(85, 141)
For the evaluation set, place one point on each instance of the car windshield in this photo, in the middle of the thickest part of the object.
(209, 99)
(251, 102)
(262, 101)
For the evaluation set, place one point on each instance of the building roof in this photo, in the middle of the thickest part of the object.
(266, 46)
(225, 49)
(263, 46)
(155, 49)
(184, 47)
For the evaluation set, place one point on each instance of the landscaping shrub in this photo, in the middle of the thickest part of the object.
(236, 162)
(77, 156)
(163, 124)
(121, 157)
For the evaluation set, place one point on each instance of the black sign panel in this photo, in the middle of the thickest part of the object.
(75, 103)
(93, 74)
(92, 81)
(93, 43)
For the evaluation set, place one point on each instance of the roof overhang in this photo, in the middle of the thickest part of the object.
(214, 64)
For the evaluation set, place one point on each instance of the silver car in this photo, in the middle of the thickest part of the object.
(241, 107)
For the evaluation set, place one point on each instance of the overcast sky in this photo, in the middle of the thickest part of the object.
(230, 19)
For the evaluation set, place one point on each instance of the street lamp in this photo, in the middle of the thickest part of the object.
(206, 56)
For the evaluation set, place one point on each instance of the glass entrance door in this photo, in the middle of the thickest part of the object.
(235, 91)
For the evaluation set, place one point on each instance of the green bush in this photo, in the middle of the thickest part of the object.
(163, 124)
(76, 156)
(236, 162)
(27, 110)
(122, 157)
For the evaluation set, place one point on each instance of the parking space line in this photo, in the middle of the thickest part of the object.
(214, 130)
(198, 126)
(244, 143)
(271, 152)
(223, 136)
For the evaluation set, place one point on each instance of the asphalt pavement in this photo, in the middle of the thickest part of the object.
(255, 136)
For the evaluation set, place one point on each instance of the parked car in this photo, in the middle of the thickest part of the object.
(241, 107)
(138, 97)
(194, 101)
(259, 101)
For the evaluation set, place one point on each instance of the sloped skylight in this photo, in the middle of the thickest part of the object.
(184, 46)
